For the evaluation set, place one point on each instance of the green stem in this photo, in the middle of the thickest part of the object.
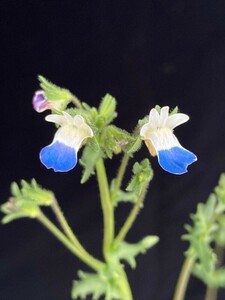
(76, 101)
(64, 224)
(212, 292)
(183, 279)
(83, 255)
(107, 207)
(125, 286)
(131, 218)
(121, 172)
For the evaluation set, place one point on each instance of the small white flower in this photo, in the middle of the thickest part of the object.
(160, 140)
(61, 154)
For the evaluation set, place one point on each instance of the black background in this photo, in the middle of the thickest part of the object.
(143, 53)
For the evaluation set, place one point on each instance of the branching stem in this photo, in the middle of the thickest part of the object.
(132, 216)
(83, 255)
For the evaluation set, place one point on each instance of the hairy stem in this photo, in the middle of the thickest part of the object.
(132, 216)
(183, 279)
(81, 254)
(64, 224)
(121, 172)
(107, 207)
(212, 292)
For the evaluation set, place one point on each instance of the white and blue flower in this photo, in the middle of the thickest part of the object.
(160, 140)
(61, 154)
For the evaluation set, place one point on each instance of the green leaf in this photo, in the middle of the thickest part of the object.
(208, 229)
(89, 284)
(220, 235)
(35, 193)
(107, 109)
(220, 189)
(25, 201)
(97, 285)
(121, 196)
(128, 252)
(90, 156)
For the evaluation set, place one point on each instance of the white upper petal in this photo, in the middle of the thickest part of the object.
(176, 120)
(57, 119)
(154, 118)
(164, 112)
(66, 118)
(162, 120)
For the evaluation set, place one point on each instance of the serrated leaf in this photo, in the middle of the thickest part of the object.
(208, 228)
(25, 201)
(89, 284)
(128, 252)
(97, 285)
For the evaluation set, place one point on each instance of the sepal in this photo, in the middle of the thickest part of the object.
(54, 93)
(107, 109)
(173, 111)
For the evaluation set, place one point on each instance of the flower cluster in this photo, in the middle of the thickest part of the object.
(157, 133)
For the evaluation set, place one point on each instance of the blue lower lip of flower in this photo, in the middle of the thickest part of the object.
(176, 160)
(59, 157)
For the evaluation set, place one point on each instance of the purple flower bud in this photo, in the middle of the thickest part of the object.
(40, 103)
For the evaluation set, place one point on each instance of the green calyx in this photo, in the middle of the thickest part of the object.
(54, 93)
